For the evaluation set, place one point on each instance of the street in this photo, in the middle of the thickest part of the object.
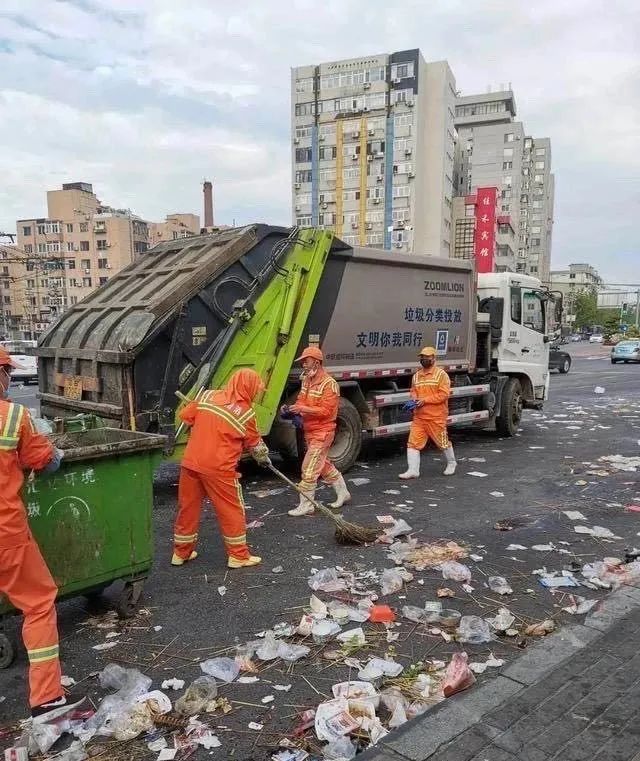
(203, 610)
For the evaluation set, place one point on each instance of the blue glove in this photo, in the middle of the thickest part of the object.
(297, 420)
(410, 406)
(54, 464)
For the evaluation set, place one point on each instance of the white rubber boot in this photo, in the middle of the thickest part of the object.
(413, 465)
(304, 507)
(342, 493)
(451, 461)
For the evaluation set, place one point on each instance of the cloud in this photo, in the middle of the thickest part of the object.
(145, 98)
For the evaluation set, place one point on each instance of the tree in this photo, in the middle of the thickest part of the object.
(586, 309)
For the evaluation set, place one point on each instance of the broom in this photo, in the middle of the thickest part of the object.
(346, 532)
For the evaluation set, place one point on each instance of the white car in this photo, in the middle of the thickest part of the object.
(596, 338)
(29, 370)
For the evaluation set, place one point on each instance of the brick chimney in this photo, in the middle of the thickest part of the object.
(207, 190)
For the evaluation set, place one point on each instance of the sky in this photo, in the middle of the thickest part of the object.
(146, 98)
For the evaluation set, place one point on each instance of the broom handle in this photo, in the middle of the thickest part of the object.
(324, 510)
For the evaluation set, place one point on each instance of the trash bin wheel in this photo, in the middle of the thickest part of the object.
(7, 651)
(127, 604)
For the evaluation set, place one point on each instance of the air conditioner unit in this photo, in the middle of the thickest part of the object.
(371, 132)
(367, 85)
(379, 154)
(396, 80)
(411, 175)
(321, 138)
(369, 157)
(297, 207)
(380, 178)
(408, 151)
(354, 157)
(354, 225)
(297, 186)
(87, 272)
(376, 200)
(369, 226)
(400, 223)
(296, 140)
(410, 103)
(398, 245)
(366, 108)
(325, 205)
(355, 134)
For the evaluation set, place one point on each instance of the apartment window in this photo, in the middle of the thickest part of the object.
(375, 193)
(84, 227)
(402, 70)
(506, 180)
(103, 264)
(303, 155)
(85, 264)
(73, 299)
(403, 120)
(86, 282)
(351, 195)
(326, 153)
(304, 199)
(535, 241)
(42, 248)
(84, 245)
(401, 191)
(103, 280)
(326, 129)
(508, 138)
(326, 197)
(352, 173)
(536, 230)
(102, 244)
(537, 204)
(325, 175)
(405, 167)
(306, 109)
(375, 239)
(69, 227)
(73, 283)
(302, 132)
(28, 248)
(31, 284)
(328, 218)
(401, 96)
(303, 175)
(26, 231)
(7, 299)
(505, 207)
(48, 228)
(528, 143)
(507, 165)
(374, 216)
(71, 264)
(534, 270)
(507, 152)
(305, 221)
(5, 270)
(53, 248)
(541, 151)
(304, 85)
(539, 164)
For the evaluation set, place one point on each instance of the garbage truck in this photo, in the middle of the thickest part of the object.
(188, 313)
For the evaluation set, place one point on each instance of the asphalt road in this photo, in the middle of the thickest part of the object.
(540, 472)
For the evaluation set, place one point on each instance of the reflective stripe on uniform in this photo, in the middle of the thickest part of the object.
(10, 435)
(225, 415)
(234, 541)
(184, 538)
(42, 654)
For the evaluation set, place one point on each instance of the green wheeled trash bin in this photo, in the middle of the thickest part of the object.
(93, 518)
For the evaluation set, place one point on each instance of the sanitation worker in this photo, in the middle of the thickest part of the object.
(24, 577)
(317, 404)
(430, 390)
(223, 425)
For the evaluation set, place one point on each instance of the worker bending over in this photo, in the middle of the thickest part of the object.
(430, 391)
(24, 576)
(223, 425)
(317, 404)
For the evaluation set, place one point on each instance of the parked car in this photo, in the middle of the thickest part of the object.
(29, 370)
(559, 360)
(626, 351)
(596, 338)
(575, 338)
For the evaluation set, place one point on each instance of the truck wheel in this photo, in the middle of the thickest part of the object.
(282, 439)
(127, 603)
(7, 651)
(348, 440)
(511, 408)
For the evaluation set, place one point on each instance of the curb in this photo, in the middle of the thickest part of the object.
(422, 737)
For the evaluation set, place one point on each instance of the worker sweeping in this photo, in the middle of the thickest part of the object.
(223, 425)
(24, 576)
(430, 391)
(317, 405)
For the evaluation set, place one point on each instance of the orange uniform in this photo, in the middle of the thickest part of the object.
(318, 402)
(432, 387)
(223, 425)
(24, 576)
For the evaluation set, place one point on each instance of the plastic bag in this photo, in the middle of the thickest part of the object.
(473, 630)
(199, 694)
(381, 614)
(389, 667)
(455, 571)
(292, 653)
(224, 669)
(499, 585)
(339, 750)
(128, 682)
(412, 613)
(503, 620)
(458, 676)
(327, 580)
(390, 581)
(268, 650)
(128, 725)
(398, 717)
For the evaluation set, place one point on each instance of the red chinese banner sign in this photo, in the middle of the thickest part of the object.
(485, 235)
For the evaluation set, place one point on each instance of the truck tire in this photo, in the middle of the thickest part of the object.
(348, 440)
(566, 366)
(508, 420)
(282, 439)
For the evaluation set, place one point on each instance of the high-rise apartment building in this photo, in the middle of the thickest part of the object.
(372, 150)
(493, 150)
(572, 282)
(60, 258)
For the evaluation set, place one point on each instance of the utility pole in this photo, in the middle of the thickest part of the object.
(638, 308)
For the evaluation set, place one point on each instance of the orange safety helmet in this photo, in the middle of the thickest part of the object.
(313, 352)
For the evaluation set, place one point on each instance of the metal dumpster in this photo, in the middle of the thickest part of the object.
(92, 519)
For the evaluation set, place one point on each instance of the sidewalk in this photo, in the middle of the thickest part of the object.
(573, 696)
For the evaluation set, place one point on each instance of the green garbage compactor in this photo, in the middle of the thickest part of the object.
(93, 518)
